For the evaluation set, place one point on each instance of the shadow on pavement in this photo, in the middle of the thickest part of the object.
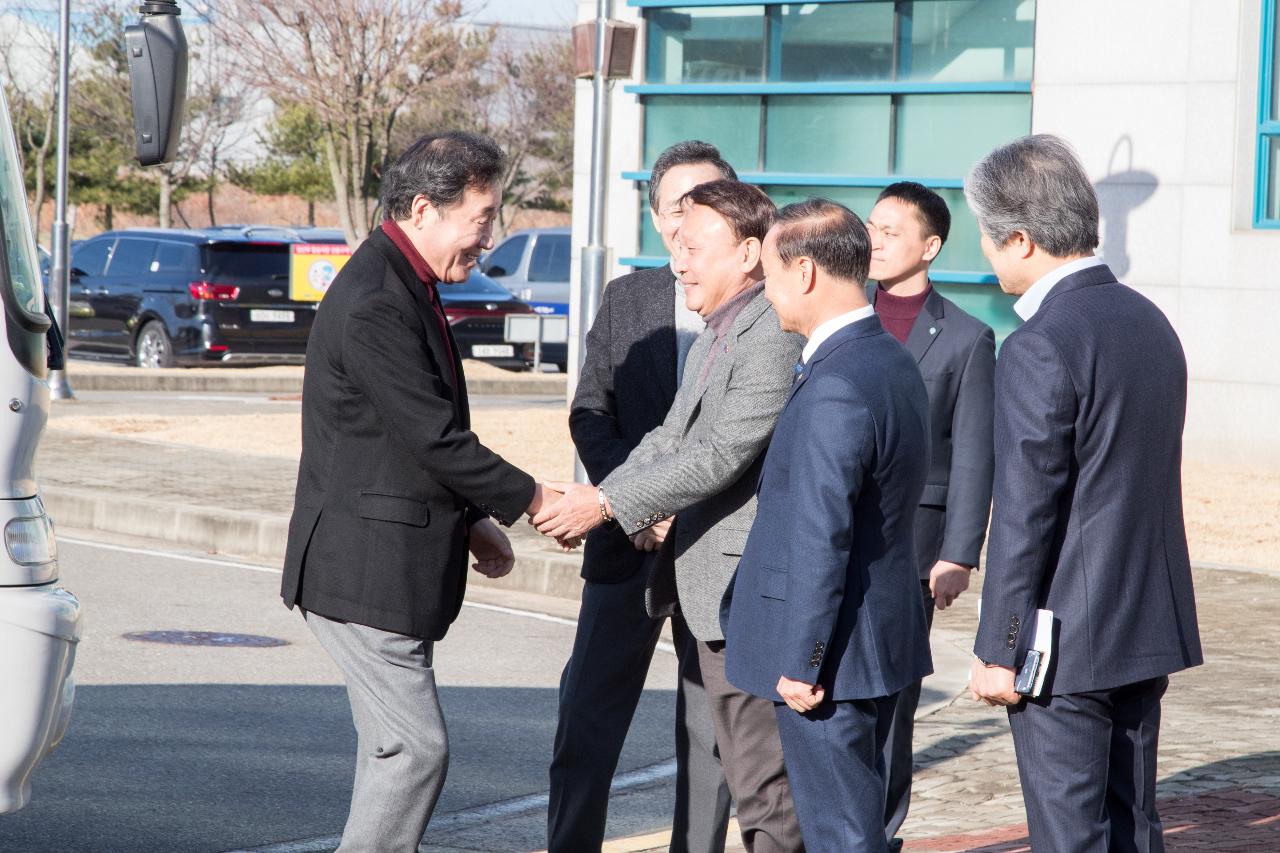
(217, 767)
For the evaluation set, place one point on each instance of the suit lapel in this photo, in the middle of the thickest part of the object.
(443, 350)
(860, 329)
(725, 343)
(928, 326)
(660, 315)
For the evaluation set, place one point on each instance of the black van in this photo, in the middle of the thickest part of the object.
(165, 297)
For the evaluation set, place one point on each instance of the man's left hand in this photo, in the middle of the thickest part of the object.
(492, 550)
(992, 684)
(946, 581)
(573, 515)
(800, 696)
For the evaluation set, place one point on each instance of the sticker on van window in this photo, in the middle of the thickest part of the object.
(313, 267)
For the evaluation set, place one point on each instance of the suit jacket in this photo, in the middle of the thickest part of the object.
(625, 389)
(391, 475)
(1091, 395)
(704, 460)
(956, 354)
(827, 590)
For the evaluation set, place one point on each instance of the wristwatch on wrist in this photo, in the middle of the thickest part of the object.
(604, 512)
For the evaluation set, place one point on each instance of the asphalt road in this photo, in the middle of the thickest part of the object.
(179, 748)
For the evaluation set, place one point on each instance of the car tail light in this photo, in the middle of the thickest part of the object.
(30, 541)
(214, 292)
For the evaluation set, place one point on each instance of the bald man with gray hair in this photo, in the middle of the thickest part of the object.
(1090, 399)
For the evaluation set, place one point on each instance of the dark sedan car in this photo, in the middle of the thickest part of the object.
(477, 310)
(166, 297)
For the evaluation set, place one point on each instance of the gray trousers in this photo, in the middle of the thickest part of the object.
(599, 691)
(747, 733)
(898, 755)
(402, 748)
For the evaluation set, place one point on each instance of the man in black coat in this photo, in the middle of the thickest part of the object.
(956, 354)
(393, 487)
(1091, 395)
(634, 362)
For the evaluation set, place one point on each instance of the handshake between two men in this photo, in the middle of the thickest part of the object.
(570, 511)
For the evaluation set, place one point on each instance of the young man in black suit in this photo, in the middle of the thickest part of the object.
(956, 355)
(1091, 394)
(634, 363)
(393, 487)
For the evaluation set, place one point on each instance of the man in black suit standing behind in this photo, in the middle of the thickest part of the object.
(1087, 521)
(393, 487)
(634, 363)
(956, 354)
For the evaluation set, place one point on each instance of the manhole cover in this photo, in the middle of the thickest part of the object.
(205, 638)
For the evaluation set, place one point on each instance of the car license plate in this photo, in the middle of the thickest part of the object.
(492, 351)
(263, 315)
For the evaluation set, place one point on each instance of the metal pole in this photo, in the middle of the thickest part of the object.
(59, 386)
(594, 254)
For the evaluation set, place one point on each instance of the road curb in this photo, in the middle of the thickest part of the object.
(239, 383)
(249, 533)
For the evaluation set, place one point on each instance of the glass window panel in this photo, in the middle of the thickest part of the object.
(506, 259)
(1275, 67)
(858, 199)
(730, 122)
(91, 257)
(550, 261)
(968, 40)
(851, 41)
(961, 252)
(1271, 208)
(650, 240)
(24, 279)
(717, 44)
(942, 136)
(828, 134)
(131, 257)
(988, 303)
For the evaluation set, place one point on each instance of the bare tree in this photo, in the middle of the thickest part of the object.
(27, 44)
(356, 63)
(531, 116)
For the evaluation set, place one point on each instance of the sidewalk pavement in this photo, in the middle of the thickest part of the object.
(85, 375)
(1220, 746)
(236, 504)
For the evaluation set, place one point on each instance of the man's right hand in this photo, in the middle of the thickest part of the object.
(542, 494)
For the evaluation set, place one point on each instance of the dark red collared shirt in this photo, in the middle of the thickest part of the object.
(429, 280)
(898, 313)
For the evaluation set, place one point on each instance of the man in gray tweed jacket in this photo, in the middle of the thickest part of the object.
(703, 463)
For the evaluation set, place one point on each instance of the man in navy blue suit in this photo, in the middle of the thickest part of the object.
(1087, 518)
(825, 617)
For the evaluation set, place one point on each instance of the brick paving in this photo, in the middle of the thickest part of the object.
(1219, 773)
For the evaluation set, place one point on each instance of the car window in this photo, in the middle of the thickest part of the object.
(175, 258)
(247, 262)
(91, 257)
(505, 259)
(550, 261)
(477, 286)
(131, 257)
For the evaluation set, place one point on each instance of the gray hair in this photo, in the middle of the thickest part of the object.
(440, 167)
(687, 153)
(1035, 185)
